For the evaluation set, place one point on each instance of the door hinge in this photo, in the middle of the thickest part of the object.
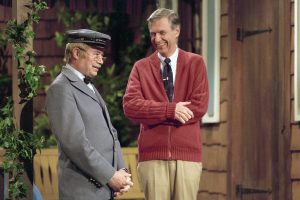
(241, 190)
(241, 33)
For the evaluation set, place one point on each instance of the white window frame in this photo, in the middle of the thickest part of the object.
(297, 61)
(211, 55)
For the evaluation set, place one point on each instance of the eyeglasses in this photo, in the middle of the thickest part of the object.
(96, 55)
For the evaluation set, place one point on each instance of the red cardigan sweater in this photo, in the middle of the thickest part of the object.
(161, 136)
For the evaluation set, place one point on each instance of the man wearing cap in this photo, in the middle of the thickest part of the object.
(90, 163)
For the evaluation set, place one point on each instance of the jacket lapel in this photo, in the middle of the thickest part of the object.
(105, 111)
(180, 70)
(77, 83)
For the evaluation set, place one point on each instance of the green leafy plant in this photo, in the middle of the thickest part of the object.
(19, 145)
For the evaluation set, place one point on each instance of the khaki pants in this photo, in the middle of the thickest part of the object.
(170, 180)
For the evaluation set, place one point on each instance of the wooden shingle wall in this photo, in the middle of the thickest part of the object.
(48, 53)
(213, 185)
(5, 15)
(295, 128)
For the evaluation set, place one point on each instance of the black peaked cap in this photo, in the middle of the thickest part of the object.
(87, 36)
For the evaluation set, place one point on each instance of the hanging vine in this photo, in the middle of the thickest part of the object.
(20, 145)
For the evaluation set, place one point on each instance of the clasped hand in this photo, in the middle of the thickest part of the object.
(182, 112)
(120, 182)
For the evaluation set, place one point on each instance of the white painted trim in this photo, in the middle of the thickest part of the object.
(216, 101)
(296, 60)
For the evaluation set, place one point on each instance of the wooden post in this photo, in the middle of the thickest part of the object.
(23, 116)
(19, 12)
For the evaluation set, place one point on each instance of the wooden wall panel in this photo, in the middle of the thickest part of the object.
(224, 95)
(5, 13)
(292, 13)
(213, 182)
(49, 61)
(224, 25)
(292, 62)
(295, 139)
(224, 108)
(292, 88)
(296, 190)
(46, 29)
(2, 24)
(49, 14)
(295, 172)
(224, 47)
(1, 12)
(38, 103)
(224, 69)
(209, 196)
(47, 48)
(292, 117)
(224, 7)
(292, 38)
(216, 158)
(216, 134)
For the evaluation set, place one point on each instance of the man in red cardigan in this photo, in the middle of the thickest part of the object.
(167, 93)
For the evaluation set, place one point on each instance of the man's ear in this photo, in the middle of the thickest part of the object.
(76, 53)
(177, 29)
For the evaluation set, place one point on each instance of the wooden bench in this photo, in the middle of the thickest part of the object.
(45, 174)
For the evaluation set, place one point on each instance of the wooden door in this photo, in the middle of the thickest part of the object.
(255, 104)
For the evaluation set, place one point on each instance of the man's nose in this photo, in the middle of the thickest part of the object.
(157, 38)
(100, 59)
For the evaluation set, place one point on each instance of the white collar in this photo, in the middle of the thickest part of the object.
(173, 57)
(75, 71)
(79, 75)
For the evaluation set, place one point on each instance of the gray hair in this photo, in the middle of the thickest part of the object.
(171, 15)
(69, 48)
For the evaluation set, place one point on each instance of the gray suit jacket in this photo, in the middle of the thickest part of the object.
(89, 150)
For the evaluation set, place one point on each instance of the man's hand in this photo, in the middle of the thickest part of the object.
(183, 113)
(121, 181)
(124, 190)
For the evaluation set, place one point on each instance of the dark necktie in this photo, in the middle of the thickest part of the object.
(167, 76)
(87, 80)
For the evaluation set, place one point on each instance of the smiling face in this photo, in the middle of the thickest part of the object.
(87, 60)
(163, 37)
